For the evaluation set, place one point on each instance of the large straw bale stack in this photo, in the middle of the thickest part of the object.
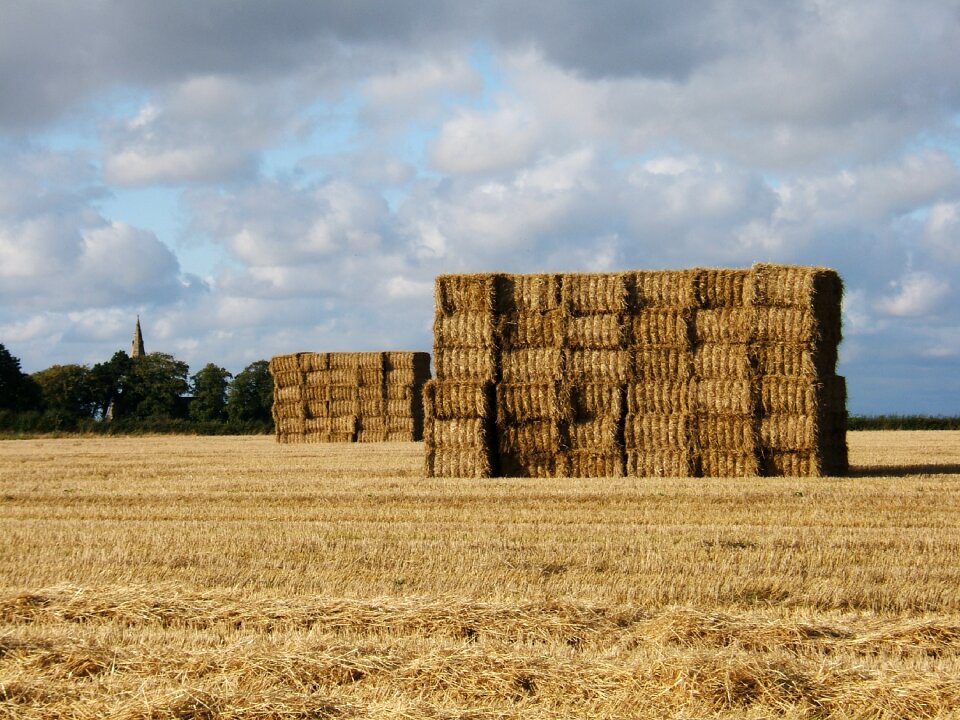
(349, 397)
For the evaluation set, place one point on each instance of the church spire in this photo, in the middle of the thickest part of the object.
(136, 348)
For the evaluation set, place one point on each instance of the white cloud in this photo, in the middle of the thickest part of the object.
(916, 294)
(475, 142)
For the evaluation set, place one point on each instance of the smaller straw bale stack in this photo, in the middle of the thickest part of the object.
(349, 397)
(458, 428)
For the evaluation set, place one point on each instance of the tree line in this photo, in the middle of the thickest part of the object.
(148, 393)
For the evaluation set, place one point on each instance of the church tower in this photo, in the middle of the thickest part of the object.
(136, 348)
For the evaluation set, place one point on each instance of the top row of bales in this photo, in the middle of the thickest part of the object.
(689, 372)
(349, 396)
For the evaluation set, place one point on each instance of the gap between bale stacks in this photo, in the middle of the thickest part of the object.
(701, 372)
(349, 397)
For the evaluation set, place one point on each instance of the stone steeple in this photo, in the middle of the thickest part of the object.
(136, 348)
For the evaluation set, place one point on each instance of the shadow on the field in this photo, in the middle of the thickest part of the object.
(905, 470)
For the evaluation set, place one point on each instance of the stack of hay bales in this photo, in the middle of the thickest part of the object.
(349, 397)
(700, 372)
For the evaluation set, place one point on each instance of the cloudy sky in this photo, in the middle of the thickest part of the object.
(255, 178)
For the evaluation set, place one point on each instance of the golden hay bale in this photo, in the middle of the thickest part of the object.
(373, 407)
(728, 463)
(406, 360)
(465, 293)
(590, 401)
(786, 325)
(651, 432)
(662, 364)
(533, 437)
(287, 378)
(661, 462)
(341, 424)
(448, 400)
(343, 392)
(528, 294)
(291, 438)
(412, 425)
(724, 360)
(532, 365)
(468, 364)
(290, 425)
(373, 436)
(783, 431)
(794, 360)
(532, 330)
(733, 396)
(317, 408)
(594, 464)
(292, 394)
(403, 408)
(372, 423)
(284, 410)
(403, 436)
(534, 465)
(343, 407)
(369, 392)
(314, 392)
(797, 286)
(599, 331)
(591, 293)
(607, 366)
(661, 327)
(310, 361)
(370, 377)
(522, 402)
(402, 391)
(660, 397)
(718, 288)
(726, 432)
(464, 330)
(405, 378)
(788, 463)
(335, 376)
(795, 395)
(456, 462)
(284, 363)
(457, 433)
(602, 434)
(672, 289)
(724, 325)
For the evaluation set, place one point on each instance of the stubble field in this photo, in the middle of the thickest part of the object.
(237, 578)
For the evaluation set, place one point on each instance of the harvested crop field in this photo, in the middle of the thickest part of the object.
(211, 578)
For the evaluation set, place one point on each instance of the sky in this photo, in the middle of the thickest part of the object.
(258, 178)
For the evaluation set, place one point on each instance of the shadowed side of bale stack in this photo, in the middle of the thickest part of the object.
(349, 397)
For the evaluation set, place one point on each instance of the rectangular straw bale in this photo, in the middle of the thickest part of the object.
(314, 361)
(661, 462)
(532, 365)
(598, 331)
(448, 400)
(406, 377)
(336, 376)
(314, 392)
(342, 424)
(670, 289)
(411, 425)
(531, 330)
(729, 463)
(817, 289)
(724, 360)
(721, 288)
(792, 463)
(287, 378)
(468, 433)
(370, 392)
(290, 425)
(796, 360)
(607, 366)
(288, 410)
(343, 407)
(330, 437)
(536, 436)
(466, 364)
(662, 364)
(466, 293)
(726, 432)
(372, 423)
(403, 436)
(733, 396)
(403, 408)
(592, 401)
(534, 465)
(370, 377)
(793, 395)
(464, 330)
(601, 434)
(661, 327)
(456, 462)
(375, 406)
(659, 431)
(372, 436)
(664, 397)
(724, 325)
(594, 464)
(406, 360)
(787, 325)
(317, 408)
(343, 392)
(783, 431)
(522, 402)
(528, 294)
(284, 363)
(294, 394)
(401, 391)
(592, 293)
(291, 438)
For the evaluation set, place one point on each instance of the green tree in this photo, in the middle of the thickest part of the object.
(18, 391)
(153, 388)
(209, 387)
(66, 394)
(250, 395)
(107, 381)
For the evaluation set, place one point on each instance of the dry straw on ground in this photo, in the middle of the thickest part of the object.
(745, 357)
(349, 397)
